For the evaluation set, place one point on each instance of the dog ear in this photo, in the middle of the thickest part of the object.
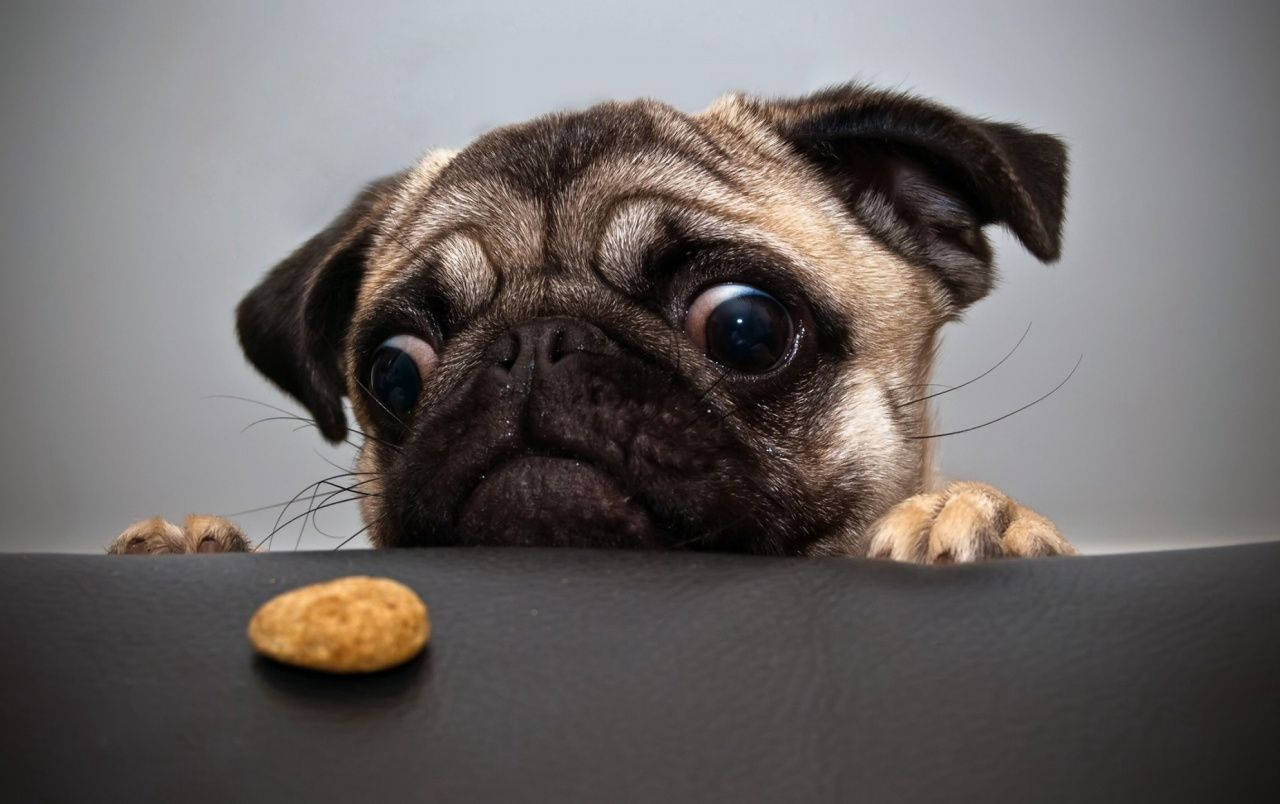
(293, 325)
(926, 179)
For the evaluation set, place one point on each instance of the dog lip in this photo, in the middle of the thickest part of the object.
(510, 459)
(506, 458)
(519, 482)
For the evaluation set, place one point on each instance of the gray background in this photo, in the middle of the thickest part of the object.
(157, 157)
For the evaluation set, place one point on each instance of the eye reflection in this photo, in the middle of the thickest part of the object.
(397, 370)
(741, 327)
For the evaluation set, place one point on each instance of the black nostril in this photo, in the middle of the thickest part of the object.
(541, 343)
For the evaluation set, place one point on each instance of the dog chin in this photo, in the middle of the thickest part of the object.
(554, 501)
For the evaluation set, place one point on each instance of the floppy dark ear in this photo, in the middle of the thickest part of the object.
(292, 326)
(926, 179)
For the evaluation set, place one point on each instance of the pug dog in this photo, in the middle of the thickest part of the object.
(631, 327)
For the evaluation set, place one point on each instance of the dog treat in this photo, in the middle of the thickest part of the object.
(348, 625)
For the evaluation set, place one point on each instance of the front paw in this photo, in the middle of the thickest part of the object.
(199, 534)
(966, 522)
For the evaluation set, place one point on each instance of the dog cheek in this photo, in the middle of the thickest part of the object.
(863, 449)
(369, 478)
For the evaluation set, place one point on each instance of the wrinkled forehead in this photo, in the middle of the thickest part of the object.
(590, 194)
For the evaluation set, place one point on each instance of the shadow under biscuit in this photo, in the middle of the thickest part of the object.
(345, 692)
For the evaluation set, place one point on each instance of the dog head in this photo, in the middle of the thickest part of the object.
(629, 326)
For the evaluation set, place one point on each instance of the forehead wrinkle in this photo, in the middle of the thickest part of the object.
(464, 272)
(417, 182)
(631, 227)
(684, 135)
(456, 266)
(627, 235)
(509, 218)
(501, 220)
(676, 146)
(632, 218)
(582, 213)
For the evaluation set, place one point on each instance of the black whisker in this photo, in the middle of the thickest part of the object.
(310, 508)
(1010, 413)
(256, 422)
(252, 402)
(975, 379)
(259, 509)
(310, 512)
(703, 396)
(288, 414)
(893, 389)
(421, 257)
(393, 416)
(315, 524)
(356, 495)
(329, 480)
(307, 488)
(337, 466)
(274, 506)
(357, 533)
(315, 513)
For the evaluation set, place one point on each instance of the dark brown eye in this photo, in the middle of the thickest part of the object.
(740, 327)
(395, 379)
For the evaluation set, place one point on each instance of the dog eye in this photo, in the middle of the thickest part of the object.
(399, 365)
(741, 327)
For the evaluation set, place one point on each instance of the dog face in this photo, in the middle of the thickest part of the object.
(633, 327)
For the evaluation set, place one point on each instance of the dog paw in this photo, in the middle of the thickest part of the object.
(966, 522)
(200, 533)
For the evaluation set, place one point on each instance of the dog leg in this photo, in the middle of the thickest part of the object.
(200, 533)
(964, 522)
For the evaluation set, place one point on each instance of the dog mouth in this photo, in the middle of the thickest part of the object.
(552, 500)
(589, 446)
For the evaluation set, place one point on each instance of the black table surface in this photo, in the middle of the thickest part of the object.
(600, 676)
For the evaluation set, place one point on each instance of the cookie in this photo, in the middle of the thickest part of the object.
(348, 625)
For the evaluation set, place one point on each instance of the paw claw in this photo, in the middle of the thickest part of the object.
(154, 536)
(199, 534)
(213, 534)
(901, 534)
(966, 522)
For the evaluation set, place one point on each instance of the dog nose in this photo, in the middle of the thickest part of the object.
(536, 346)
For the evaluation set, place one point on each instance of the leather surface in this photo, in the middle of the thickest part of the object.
(580, 675)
